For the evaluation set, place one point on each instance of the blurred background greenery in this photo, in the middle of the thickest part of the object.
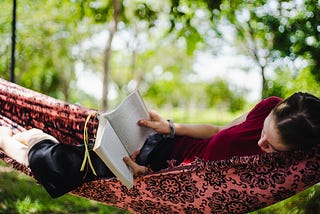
(194, 61)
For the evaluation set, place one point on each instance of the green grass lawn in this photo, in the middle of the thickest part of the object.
(20, 193)
(305, 202)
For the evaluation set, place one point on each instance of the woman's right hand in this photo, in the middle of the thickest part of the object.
(156, 122)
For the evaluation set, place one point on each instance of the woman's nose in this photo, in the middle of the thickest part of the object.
(260, 142)
(263, 143)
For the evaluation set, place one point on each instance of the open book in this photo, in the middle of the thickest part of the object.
(119, 135)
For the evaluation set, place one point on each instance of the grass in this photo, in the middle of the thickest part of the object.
(305, 202)
(21, 194)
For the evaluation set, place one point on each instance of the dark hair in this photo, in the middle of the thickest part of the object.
(298, 120)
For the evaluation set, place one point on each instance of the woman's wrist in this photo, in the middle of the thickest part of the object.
(171, 129)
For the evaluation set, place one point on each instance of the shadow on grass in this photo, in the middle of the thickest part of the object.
(21, 194)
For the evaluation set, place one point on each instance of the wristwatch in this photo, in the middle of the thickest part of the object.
(172, 131)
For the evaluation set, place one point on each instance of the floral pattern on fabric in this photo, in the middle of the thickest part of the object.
(174, 188)
(237, 185)
(232, 200)
(149, 207)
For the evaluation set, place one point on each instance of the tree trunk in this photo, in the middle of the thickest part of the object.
(136, 74)
(107, 53)
(254, 49)
(264, 83)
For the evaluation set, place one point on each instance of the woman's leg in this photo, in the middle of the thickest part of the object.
(12, 147)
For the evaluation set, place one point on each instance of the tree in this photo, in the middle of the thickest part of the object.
(183, 17)
(254, 37)
(297, 32)
(114, 12)
(278, 35)
(45, 43)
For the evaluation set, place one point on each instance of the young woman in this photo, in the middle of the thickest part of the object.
(272, 125)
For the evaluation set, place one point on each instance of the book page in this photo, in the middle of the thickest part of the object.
(102, 124)
(112, 152)
(124, 121)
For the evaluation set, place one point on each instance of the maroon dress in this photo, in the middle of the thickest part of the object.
(238, 140)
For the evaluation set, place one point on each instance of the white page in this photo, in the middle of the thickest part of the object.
(124, 120)
(102, 124)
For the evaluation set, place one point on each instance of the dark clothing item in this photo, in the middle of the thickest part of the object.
(57, 166)
(155, 152)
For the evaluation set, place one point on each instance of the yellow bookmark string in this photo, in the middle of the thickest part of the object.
(86, 142)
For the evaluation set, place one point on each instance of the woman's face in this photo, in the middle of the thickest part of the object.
(270, 140)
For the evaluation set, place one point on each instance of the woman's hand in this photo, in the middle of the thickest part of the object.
(157, 123)
(136, 168)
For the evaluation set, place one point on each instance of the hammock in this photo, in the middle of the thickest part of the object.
(237, 185)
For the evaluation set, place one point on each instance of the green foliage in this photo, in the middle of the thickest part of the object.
(216, 94)
(280, 85)
(284, 84)
(50, 45)
(305, 82)
(305, 202)
(221, 96)
(187, 23)
(45, 38)
(200, 115)
(271, 32)
(296, 32)
(5, 37)
(144, 12)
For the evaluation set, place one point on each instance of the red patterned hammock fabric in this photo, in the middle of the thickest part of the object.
(237, 185)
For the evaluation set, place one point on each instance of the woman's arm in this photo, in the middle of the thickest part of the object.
(162, 126)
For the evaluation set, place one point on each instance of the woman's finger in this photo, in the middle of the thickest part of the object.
(136, 169)
(130, 162)
(135, 155)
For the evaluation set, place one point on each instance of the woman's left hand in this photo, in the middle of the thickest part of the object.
(136, 168)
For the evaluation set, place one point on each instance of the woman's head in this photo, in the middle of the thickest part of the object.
(297, 121)
(271, 140)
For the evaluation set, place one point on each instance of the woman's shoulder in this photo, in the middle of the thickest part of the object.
(272, 100)
(265, 106)
(269, 102)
